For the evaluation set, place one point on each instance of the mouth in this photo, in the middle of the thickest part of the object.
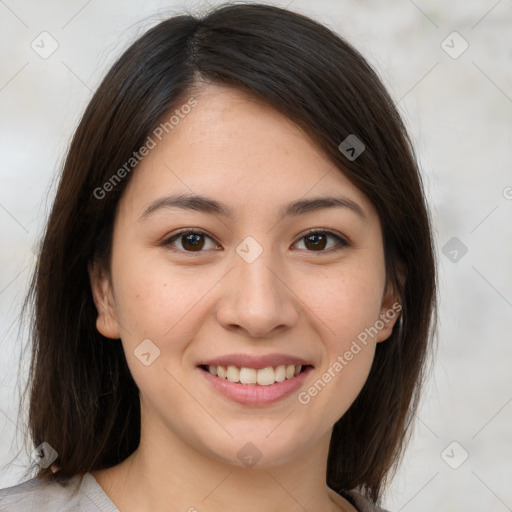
(267, 376)
(255, 387)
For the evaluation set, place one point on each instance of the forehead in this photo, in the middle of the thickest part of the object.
(234, 147)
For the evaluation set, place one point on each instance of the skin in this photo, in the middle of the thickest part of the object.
(292, 299)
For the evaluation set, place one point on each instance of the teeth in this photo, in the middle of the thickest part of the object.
(248, 375)
(290, 371)
(266, 376)
(263, 376)
(221, 372)
(233, 374)
(280, 373)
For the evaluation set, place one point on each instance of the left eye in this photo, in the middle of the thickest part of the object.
(314, 241)
(317, 241)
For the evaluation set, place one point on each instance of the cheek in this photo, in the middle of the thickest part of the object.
(339, 384)
(347, 305)
(345, 301)
(347, 312)
(153, 298)
(164, 303)
(158, 303)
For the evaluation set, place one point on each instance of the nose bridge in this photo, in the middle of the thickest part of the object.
(256, 280)
(257, 298)
(258, 274)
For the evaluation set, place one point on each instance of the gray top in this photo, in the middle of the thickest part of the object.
(84, 494)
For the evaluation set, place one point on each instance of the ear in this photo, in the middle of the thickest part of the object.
(391, 307)
(106, 322)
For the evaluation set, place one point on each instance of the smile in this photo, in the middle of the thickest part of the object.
(262, 377)
(255, 387)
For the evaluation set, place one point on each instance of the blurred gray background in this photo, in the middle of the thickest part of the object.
(448, 65)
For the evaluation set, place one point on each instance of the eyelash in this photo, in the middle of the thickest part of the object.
(342, 242)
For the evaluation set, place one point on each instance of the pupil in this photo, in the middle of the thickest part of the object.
(317, 240)
(194, 240)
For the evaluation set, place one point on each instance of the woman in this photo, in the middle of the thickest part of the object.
(235, 293)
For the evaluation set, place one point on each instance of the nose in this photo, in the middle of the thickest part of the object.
(257, 298)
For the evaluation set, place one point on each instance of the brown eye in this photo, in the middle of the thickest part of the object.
(317, 241)
(190, 241)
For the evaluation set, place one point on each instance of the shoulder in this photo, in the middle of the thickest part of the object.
(38, 494)
(361, 503)
(80, 492)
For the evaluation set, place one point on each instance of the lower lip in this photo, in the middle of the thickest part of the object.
(254, 394)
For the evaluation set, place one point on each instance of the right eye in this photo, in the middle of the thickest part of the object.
(190, 241)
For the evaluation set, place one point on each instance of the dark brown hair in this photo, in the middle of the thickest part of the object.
(83, 400)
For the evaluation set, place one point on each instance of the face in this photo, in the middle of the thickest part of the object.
(240, 282)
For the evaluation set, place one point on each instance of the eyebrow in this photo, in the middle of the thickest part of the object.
(211, 206)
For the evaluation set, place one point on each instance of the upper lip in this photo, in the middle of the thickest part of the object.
(256, 362)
